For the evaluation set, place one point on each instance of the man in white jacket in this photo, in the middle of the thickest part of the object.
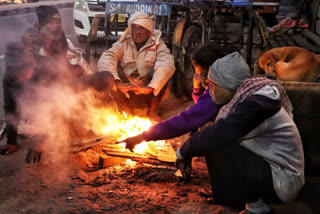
(140, 63)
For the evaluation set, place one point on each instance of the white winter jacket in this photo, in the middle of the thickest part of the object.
(153, 55)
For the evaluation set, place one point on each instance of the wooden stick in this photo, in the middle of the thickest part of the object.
(139, 158)
(85, 144)
(152, 162)
(125, 154)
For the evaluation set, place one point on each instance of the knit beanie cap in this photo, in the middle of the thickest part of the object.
(46, 14)
(18, 55)
(230, 71)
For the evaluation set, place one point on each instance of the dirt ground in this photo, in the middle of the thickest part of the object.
(67, 185)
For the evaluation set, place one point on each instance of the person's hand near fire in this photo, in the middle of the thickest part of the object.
(142, 89)
(124, 87)
(137, 89)
(131, 142)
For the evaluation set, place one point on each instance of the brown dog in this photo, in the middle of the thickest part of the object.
(290, 64)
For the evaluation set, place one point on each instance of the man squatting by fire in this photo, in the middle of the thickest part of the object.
(253, 151)
(141, 65)
(50, 66)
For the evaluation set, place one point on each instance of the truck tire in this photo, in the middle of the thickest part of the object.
(176, 82)
(190, 41)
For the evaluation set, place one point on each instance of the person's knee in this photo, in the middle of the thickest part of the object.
(106, 76)
(102, 80)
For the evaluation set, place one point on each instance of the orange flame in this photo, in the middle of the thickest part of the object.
(126, 126)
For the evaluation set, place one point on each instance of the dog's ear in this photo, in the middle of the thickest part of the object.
(274, 58)
(256, 67)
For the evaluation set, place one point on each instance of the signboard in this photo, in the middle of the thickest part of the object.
(158, 9)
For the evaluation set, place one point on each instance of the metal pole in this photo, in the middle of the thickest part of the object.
(250, 32)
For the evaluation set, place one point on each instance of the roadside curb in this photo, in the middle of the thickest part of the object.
(11, 10)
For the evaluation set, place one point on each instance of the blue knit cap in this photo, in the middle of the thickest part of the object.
(230, 71)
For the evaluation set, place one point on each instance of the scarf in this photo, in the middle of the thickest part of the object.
(249, 87)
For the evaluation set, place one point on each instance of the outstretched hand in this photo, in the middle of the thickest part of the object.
(142, 89)
(125, 87)
(8, 149)
(131, 142)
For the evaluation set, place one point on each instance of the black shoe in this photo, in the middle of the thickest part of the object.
(206, 192)
(248, 212)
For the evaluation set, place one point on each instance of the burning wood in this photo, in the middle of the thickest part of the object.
(88, 143)
(158, 156)
(154, 152)
(127, 154)
(143, 160)
(106, 161)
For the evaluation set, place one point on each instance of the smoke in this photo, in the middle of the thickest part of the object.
(59, 113)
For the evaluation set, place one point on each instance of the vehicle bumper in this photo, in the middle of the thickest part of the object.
(82, 22)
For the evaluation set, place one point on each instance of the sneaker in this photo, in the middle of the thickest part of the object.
(206, 192)
(248, 212)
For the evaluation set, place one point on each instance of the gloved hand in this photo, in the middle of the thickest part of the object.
(34, 154)
(131, 142)
(184, 165)
(8, 149)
